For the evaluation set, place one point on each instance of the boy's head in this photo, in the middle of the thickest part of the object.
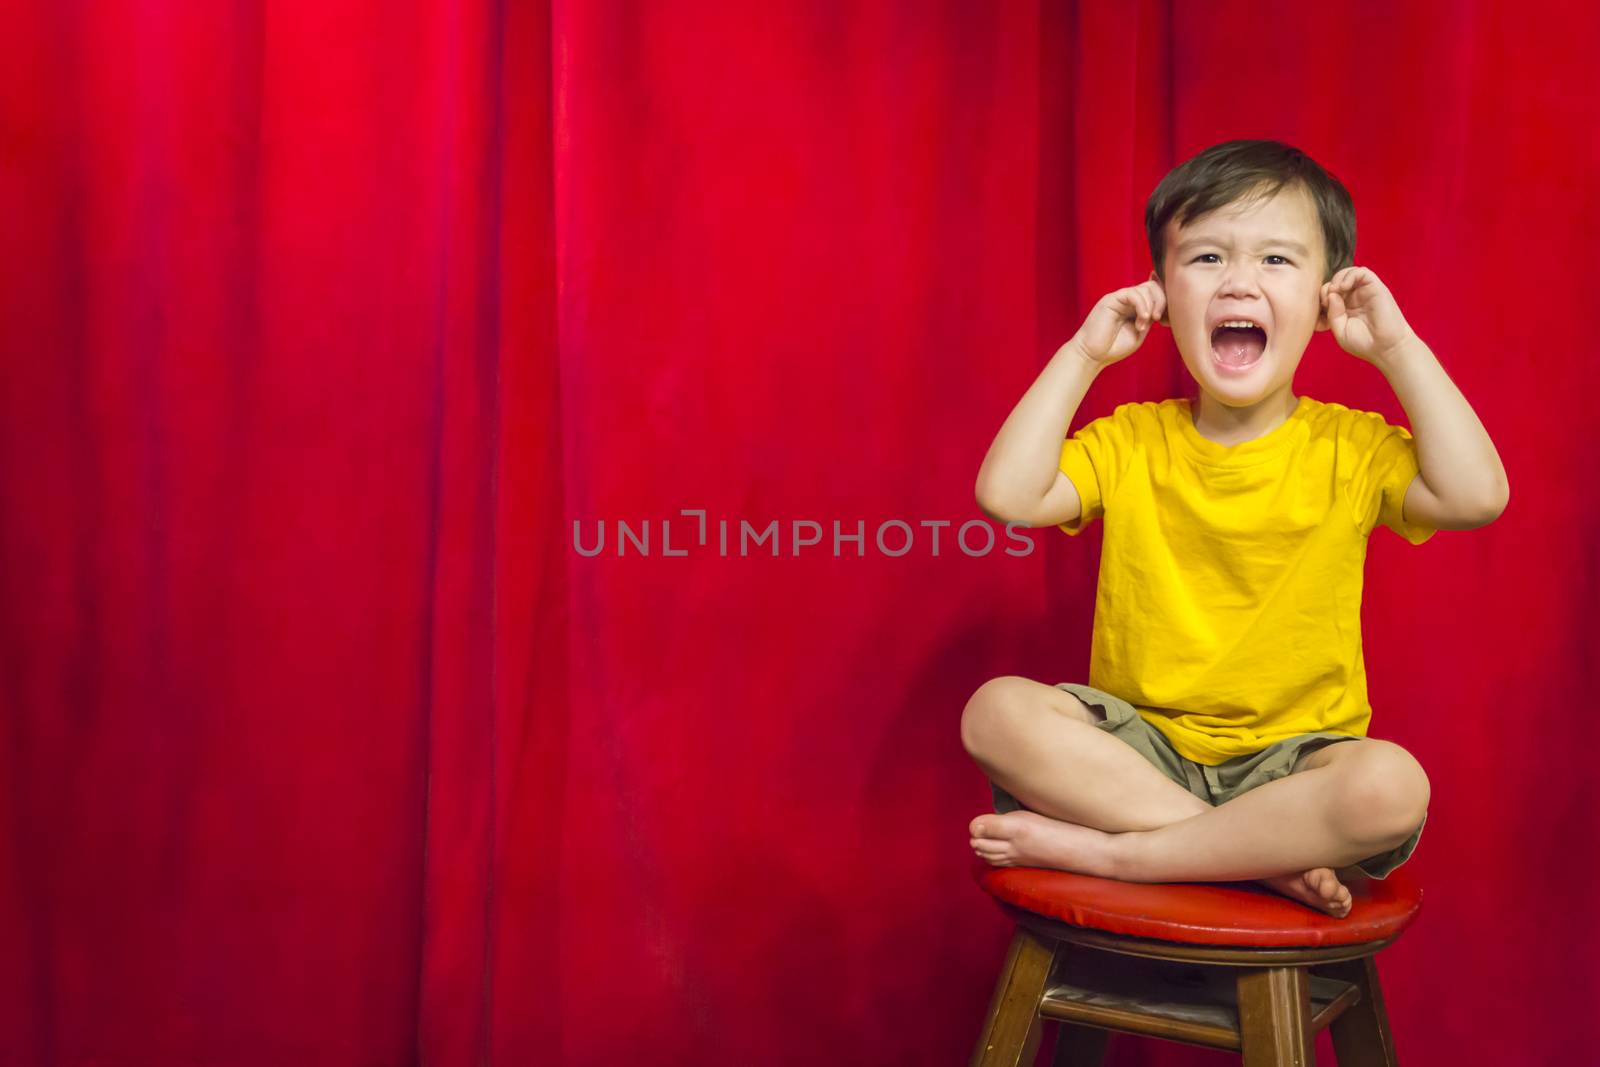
(1247, 230)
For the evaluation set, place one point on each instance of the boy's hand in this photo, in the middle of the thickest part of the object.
(1119, 323)
(1363, 315)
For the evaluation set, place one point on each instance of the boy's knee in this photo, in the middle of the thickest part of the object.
(1385, 792)
(990, 712)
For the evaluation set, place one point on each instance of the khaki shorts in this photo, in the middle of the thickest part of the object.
(1219, 784)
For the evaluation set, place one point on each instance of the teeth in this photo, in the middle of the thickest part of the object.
(1240, 323)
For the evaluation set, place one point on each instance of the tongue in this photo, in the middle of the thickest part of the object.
(1238, 347)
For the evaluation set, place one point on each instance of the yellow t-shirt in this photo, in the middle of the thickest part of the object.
(1229, 602)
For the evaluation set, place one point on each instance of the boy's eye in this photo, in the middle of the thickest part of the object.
(1203, 255)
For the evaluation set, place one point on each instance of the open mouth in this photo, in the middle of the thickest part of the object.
(1238, 347)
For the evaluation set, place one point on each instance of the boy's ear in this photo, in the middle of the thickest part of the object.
(1163, 319)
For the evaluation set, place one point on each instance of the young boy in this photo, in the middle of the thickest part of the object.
(1222, 735)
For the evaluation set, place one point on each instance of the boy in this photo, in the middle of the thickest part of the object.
(1223, 733)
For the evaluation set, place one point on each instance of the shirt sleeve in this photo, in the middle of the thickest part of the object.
(1092, 458)
(1386, 465)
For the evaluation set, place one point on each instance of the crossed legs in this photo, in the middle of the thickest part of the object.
(1099, 808)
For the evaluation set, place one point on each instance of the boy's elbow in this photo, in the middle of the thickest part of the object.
(1496, 502)
(990, 509)
(994, 505)
(1490, 508)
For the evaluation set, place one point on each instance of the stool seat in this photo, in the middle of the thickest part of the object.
(1208, 913)
(1225, 965)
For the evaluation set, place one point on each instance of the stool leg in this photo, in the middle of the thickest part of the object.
(1275, 1017)
(1361, 1035)
(1011, 1034)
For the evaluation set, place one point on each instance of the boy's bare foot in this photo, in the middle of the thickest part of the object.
(1318, 887)
(1028, 839)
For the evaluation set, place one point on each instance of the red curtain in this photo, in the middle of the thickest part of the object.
(333, 334)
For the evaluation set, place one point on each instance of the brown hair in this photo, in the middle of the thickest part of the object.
(1246, 170)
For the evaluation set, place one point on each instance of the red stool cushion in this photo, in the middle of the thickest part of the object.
(1206, 913)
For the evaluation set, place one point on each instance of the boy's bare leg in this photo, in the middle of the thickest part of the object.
(1040, 744)
(1368, 796)
(1366, 800)
(1023, 733)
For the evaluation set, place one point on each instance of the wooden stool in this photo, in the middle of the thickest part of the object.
(1225, 965)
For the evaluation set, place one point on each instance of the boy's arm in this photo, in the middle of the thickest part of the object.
(1020, 479)
(1462, 483)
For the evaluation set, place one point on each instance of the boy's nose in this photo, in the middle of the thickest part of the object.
(1239, 281)
(1237, 288)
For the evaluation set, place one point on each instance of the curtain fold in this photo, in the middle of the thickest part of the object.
(325, 329)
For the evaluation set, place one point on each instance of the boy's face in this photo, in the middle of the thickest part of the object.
(1241, 262)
